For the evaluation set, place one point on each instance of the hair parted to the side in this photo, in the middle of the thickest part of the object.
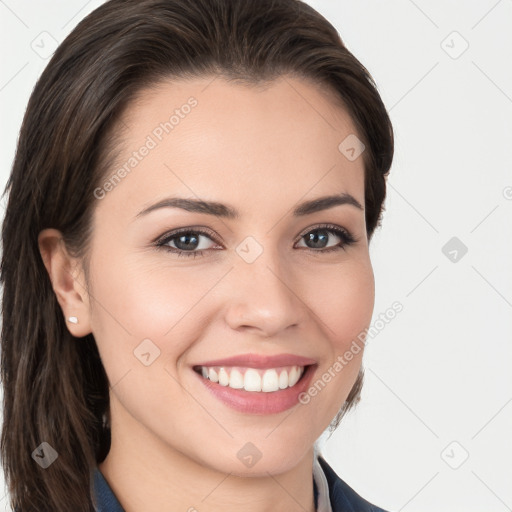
(55, 387)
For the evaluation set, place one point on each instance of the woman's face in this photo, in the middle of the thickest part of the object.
(270, 287)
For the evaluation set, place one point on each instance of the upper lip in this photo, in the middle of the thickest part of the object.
(261, 361)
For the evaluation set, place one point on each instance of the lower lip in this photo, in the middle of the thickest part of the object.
(260, 402)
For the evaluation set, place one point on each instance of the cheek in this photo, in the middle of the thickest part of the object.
(144, 318)
(134, 301)
(343, 299)
(344, 302)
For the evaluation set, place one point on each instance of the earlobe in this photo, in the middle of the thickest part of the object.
(67, 281)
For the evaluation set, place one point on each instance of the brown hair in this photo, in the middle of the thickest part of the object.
(56, 389)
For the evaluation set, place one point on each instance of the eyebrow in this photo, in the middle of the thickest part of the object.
(225, 211)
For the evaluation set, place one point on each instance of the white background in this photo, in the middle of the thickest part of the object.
(438, 380)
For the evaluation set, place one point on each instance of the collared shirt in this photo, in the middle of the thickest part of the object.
(320, 488)
(330, 492)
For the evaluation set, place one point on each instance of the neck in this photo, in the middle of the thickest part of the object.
(148, 474)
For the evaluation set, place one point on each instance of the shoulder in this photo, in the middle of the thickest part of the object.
(343, 498)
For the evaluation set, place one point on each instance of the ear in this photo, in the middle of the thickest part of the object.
(68, 281)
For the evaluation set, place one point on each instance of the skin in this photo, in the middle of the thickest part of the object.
(262, 151)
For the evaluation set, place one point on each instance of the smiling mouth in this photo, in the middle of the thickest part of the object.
(265, 380)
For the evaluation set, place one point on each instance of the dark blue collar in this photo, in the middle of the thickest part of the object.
(106, 500)
(343, 498)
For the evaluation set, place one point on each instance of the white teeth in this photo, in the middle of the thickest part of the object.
(270, 381)
(251, 379)
(293, 376)
(223, 377)
(236, 379)
(283, 380)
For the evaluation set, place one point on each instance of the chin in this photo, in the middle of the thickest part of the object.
(246, 459)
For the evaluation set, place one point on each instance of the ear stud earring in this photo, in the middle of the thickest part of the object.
(73, 319)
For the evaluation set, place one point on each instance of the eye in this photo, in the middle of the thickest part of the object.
(187, 241)
(319, 236)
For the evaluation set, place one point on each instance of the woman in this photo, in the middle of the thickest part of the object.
(186, 269)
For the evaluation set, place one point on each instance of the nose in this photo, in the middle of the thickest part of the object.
(264, 297)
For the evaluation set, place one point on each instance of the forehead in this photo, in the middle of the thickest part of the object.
(211, 138)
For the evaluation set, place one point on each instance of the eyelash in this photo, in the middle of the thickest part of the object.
(346, 240)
